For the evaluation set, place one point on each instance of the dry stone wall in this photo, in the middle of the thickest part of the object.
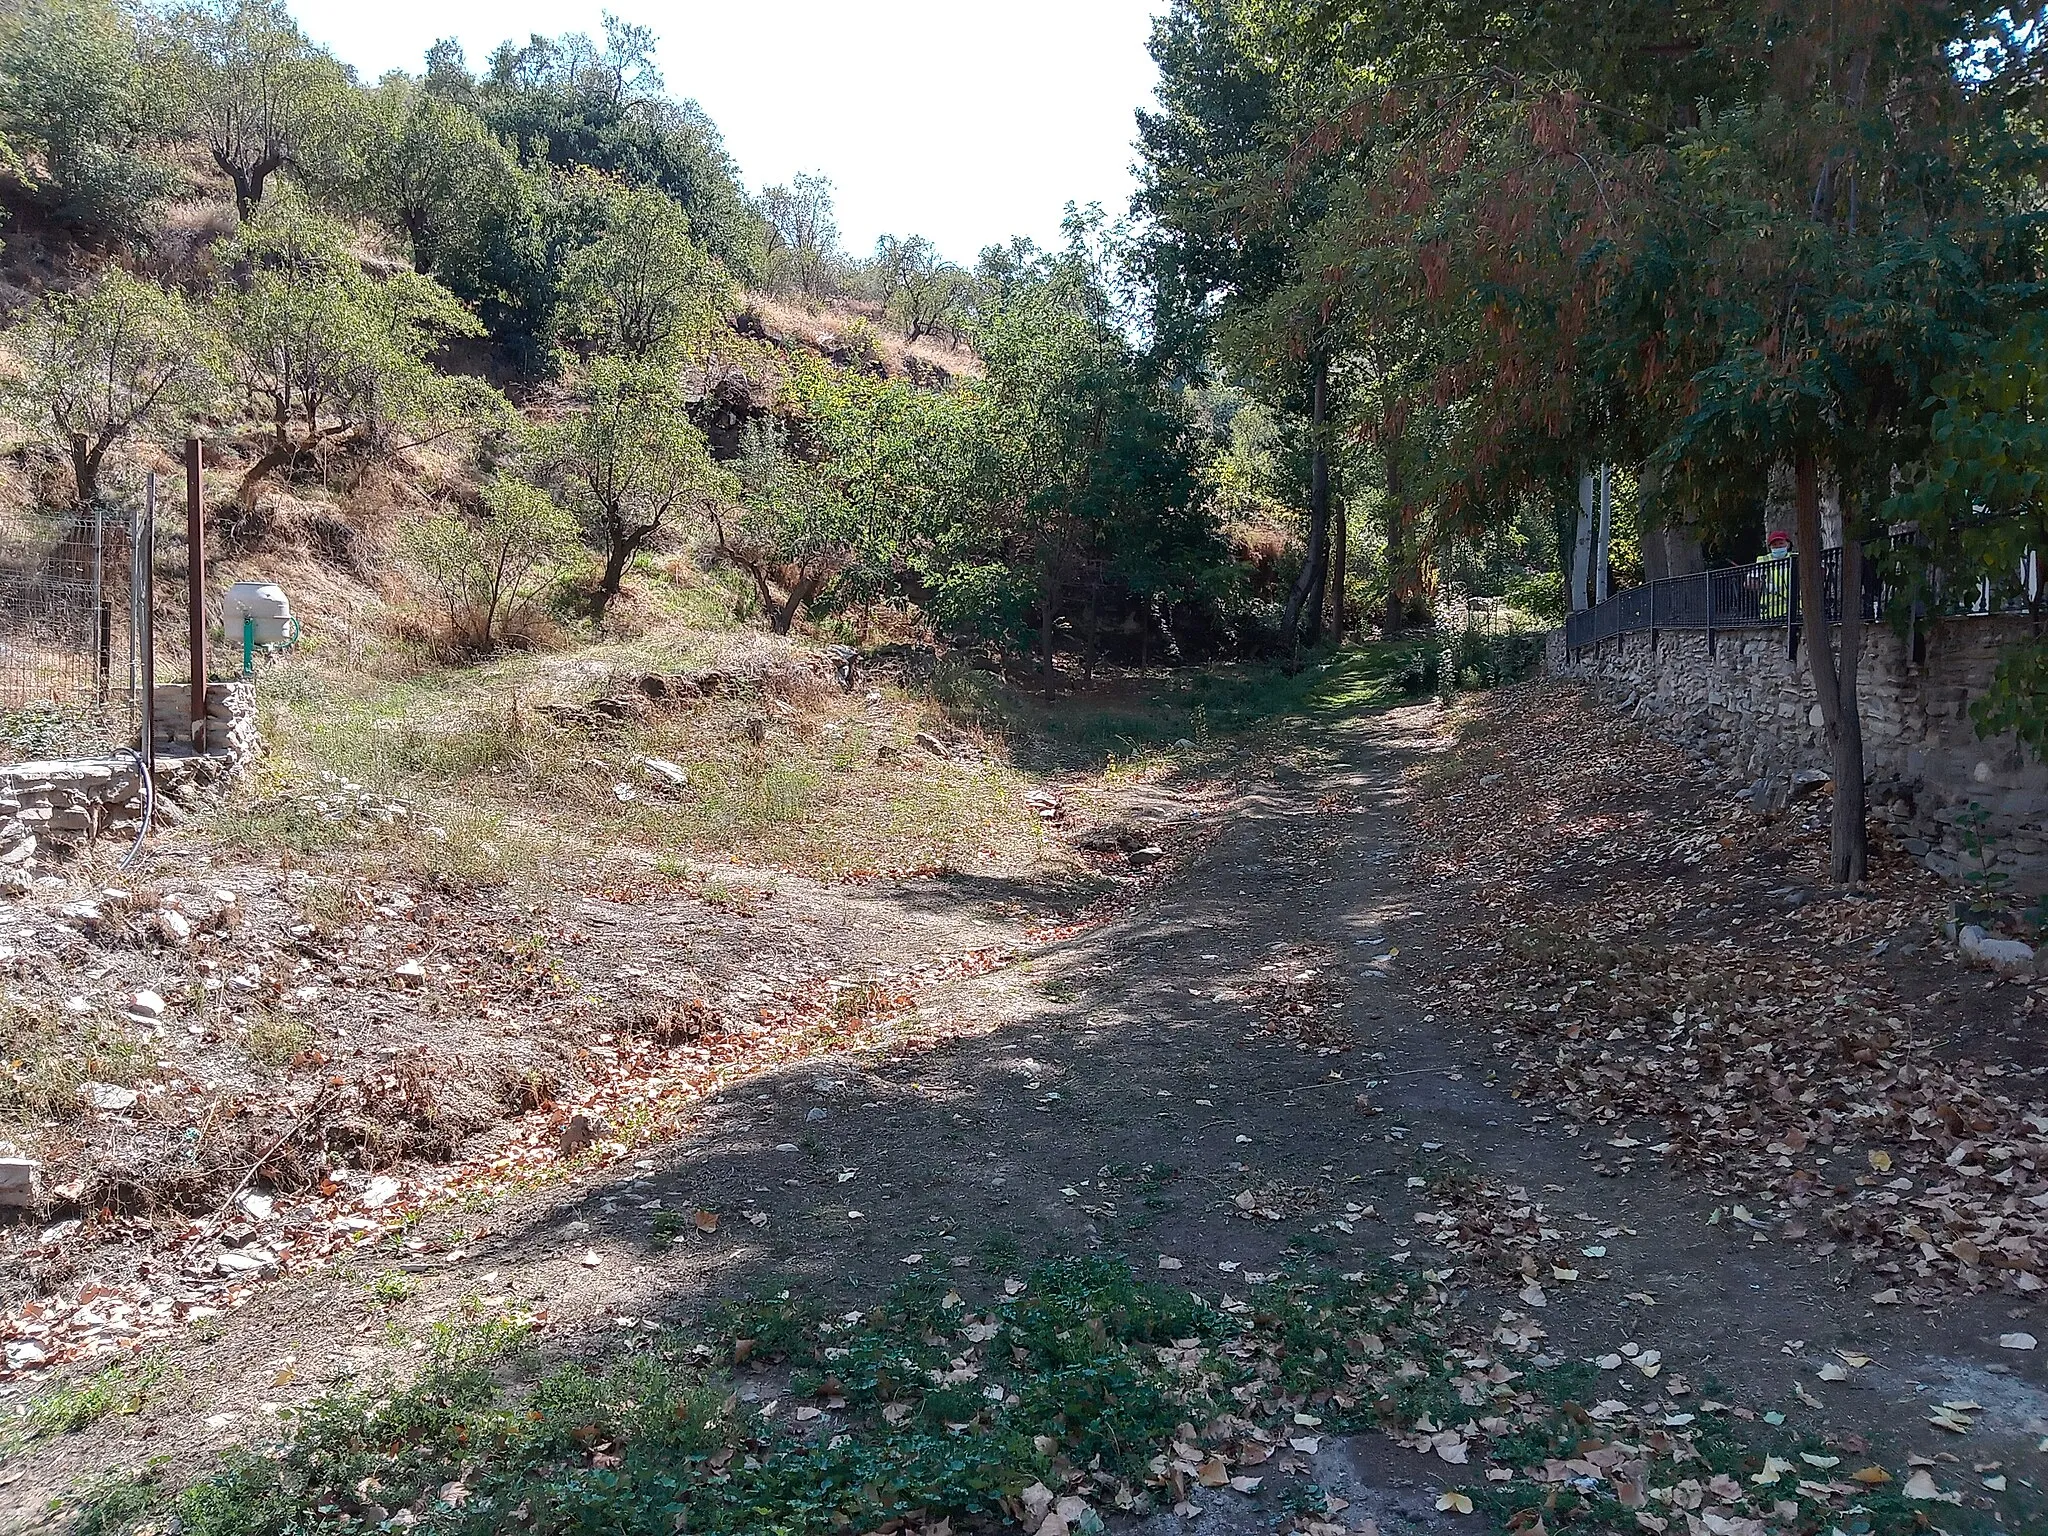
(49, 809)
(1750, 707)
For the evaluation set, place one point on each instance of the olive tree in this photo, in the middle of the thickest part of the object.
(121, 357)
(629, 460)
(331, 354)
(254, 90)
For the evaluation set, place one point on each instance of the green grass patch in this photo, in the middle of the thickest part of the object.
(1081, 1381)
(67, 1407)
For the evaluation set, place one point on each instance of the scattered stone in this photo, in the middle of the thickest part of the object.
(380, 1192)
(176, 926)
(662, 768)
(146, 1005)
(107, 1096)
(17, 1181)
(2008, 957)
(411, 973)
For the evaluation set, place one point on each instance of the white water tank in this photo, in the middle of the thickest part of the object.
(261, 601)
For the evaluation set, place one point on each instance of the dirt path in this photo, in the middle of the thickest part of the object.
(1242, 1067)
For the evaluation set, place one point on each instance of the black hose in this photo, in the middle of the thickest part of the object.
(148, 806)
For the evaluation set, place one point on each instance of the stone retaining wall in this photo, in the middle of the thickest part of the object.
(48, 809)
(1753, 710)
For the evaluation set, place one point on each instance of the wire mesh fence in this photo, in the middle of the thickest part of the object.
(67, 674)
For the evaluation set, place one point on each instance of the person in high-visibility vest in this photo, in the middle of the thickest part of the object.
(1774, 586)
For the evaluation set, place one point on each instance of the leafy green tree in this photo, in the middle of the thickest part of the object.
(486, 568)
(1978, 507)
(1080, 473)
(629, 461)
(333, 355)
(571, 102)
(790, 527)
(122, 357)
(803, 244)
(78, 97)
(255, 91)
(917, 288)
(425, 168)
(643, 289)
(1745, 236)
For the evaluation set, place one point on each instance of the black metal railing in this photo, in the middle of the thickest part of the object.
(1760, 596)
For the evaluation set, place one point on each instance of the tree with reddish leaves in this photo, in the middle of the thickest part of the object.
(1714, 238)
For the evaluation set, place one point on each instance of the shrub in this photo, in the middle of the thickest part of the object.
(487, 569)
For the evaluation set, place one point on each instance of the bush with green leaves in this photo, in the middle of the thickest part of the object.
(90, 113)
(485, 569)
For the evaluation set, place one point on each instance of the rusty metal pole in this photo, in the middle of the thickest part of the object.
(143, 617)
(195, 585)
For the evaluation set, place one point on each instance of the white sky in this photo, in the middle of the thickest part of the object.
(968, 121)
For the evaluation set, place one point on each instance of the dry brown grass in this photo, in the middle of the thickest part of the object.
(807, 325)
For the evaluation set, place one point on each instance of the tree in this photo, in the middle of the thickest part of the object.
(643, 289)
(254, 91)
(424, 167)
(790, 526)
(1079, 475)
(1717, 240)
(803, 247)
(487, 567)
(629, 460)
(333, 355)
(1978, 508)
(121, 357)
(1241, 87)
(78, 97)
(920, 290)
(570, 102)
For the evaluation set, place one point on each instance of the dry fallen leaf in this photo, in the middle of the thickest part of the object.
(1454, 1501)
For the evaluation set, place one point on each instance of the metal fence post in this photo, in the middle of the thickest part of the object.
(1792, 614)
(1708, 576)
(143, 597)
(195, 586)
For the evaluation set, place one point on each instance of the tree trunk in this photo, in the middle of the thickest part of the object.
(1397, 546)
(85, 467)
(1045, 628)
(1340, 540)
(1834, 683)
(1308, 586)
(1582, 548)
(1088, 650)
(1603, 541)
(618, 555)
